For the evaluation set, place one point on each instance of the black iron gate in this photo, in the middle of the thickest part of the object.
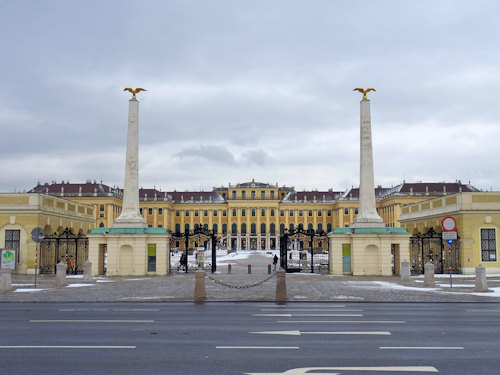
(431, 247)
(64, 246)
(304, 251)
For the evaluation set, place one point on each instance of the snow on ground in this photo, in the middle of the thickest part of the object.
(79, 285)
(27, 290)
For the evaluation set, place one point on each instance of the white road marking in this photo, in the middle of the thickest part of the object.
(90, 321)
(317, 310)
(345, 321)
(305, 370)
(257, 347)
(290, 315)
(298, 333)
(308, 305)
(67, 347)
(71, 310)
(482, 311)
(422, 347)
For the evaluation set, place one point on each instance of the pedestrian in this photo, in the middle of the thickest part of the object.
(275, 262)
(182, 262)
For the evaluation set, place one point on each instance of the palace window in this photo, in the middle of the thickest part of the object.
(272, 211)
(101, 215)
(177, 213)
(253, 194)
(301, 213)
(329, 213)
(187, 212)
(282, 213)
(234, 230)
(272, 228)
(150, 211)
(224, 228)
(320, 226)
(263, 212)
(253, 228)
(263, 228)
(356, 211)
(243, 228)
(13, 241)
(329, 227)
(234, 193)
(243, 194)
(291, 213)
(253, 211)
(205, 213)
(282, 228)
(346, 211)
(177, 229)
(160, 211)
(234, 211)
(488, 245)
(319, 212)
(160, 226)
(215, 213)
(214, 228)
(243, 212)
(224, 213)
(272, 194)
(310, 212)
(195, 212)
(263, 194)
(101, 207)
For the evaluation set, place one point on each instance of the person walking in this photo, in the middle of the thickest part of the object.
(275, 262)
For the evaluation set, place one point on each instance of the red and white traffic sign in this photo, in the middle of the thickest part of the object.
(449, 224)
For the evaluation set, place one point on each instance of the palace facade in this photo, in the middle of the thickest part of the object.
(248, 215)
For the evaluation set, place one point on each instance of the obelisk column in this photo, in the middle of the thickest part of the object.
(130, 216)
(367, 216)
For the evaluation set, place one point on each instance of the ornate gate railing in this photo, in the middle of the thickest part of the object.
(302, 251)
(431, 247)
(64, 246)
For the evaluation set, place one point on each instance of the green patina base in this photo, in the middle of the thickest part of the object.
(369, 231)
(129, 231)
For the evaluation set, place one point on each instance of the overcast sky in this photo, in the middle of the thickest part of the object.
(249, 89)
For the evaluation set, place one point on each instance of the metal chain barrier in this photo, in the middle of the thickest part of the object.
(239, 286)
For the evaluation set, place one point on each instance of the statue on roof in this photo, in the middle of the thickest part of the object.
(138, 89)
(364, 91)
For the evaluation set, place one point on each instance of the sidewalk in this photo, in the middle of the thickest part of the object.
(300, 287)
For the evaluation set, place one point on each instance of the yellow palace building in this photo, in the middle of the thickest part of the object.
(249, 215)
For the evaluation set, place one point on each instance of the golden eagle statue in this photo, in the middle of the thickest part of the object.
(134, 91)
(364, 91)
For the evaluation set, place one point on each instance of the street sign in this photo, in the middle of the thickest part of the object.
(37, 235)
(449, 235)
(449, 242)
(9, 259)
(449, 224)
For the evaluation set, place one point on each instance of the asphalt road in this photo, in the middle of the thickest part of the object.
(249, 338)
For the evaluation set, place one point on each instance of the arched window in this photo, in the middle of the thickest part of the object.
(309, 226)
(282, 228)
(205, 226)
(196, 226)
(329, 228)
(272, 228)
(215, 228)
(186, 227)
(320, 226)
(243, 228)
(234, 229)
(177, 228)
(253, 228)
(224, 228)
(101, 225)
(291, 226)
(263, 228)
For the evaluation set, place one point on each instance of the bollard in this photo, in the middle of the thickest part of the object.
(405, 271)
(87, 271)
(60, 279)
(249, 268)
(229, 268)
(429, 274)
(268, 268)
(281, 295)
(200, 294)
(481, 283)
(5, 280)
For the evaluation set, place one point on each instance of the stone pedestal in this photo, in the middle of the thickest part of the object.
(429, 275)
(5, 280)
(200, 293)
(481, 283)
(87, 271)
(60, 279)
(405, 271)
(281, 293)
